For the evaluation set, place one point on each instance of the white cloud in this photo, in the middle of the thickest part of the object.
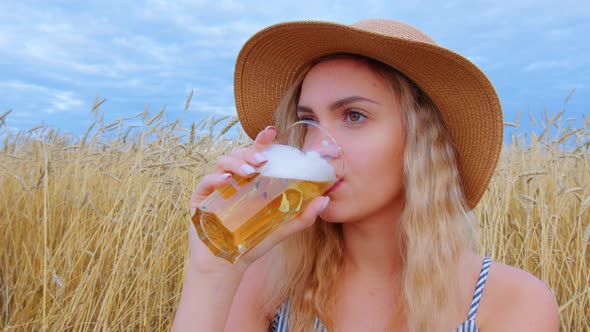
(22, 87)
(135, 52)
(550, 65)
(21, 115)
(202, 107)
(56, 28)
(163, 53)
(6, 40)
(59, 100)
(64, 101)
(505, 9)
(69, 43)
(559, 33)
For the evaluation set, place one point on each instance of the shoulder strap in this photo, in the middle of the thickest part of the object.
(481, 282)
(281, 320)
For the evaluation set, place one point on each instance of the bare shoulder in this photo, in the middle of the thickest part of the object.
(515, 300)
(247, 310)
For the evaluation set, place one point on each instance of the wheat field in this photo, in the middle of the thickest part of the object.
(93, 228)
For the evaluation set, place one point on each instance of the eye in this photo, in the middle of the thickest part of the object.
(354, 116)
(305, 118)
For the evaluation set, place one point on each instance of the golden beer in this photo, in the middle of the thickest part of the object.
(236, 217)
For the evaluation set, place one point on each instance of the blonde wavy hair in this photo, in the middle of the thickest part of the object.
(436, 224)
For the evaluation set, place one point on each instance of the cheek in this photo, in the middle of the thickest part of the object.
(376, 169)
(376, 156)
(382, 168)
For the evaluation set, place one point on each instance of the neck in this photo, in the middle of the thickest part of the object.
(373, 247)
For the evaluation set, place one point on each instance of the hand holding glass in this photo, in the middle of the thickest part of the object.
(303, 163)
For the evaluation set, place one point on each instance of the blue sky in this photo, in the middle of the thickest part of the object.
(57, 56)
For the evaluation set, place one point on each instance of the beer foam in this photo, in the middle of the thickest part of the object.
(288, 162)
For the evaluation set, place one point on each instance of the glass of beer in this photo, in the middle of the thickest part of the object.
(303, 163)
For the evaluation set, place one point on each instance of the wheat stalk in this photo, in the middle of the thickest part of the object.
(188, 101)
(114, 252)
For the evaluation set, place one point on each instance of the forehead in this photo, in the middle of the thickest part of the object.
(344, 65)
(344, 76)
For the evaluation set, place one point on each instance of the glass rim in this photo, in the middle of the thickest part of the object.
(341, 169)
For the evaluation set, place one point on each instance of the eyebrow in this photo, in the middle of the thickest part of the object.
(338, 104)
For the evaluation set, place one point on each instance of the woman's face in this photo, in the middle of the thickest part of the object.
(362, 112)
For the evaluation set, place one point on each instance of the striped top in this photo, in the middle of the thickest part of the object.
(281, 320)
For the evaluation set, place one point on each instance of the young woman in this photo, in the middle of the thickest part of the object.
(392, 246)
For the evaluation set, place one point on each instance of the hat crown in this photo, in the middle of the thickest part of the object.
(393, 29)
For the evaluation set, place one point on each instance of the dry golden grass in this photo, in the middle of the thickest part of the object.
(536, 213)
(93, 230)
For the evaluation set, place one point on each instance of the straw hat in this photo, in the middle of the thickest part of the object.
(270, 60)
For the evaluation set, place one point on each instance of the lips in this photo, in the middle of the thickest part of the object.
(333, 187)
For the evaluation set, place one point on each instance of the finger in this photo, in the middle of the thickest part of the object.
(250, 155)
(303, 221)
(265, 138)
(235, 165)
(309, 215)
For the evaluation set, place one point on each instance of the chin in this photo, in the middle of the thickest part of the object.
(332, 215)
(327, 216)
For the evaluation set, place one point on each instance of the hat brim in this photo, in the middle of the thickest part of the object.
(270, 60)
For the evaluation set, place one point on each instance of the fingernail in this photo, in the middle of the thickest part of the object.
(248, 169)
(225, 176)
(325, 205)
(259, 157)
(268, 127)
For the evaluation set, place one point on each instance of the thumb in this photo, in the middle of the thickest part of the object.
(310, 214)
(303, 221)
